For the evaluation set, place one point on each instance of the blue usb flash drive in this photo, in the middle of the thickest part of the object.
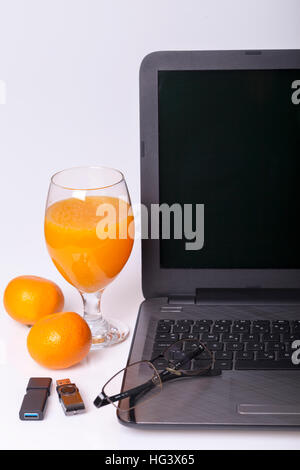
(34, 402)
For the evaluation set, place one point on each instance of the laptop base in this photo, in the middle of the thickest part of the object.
(254, 398)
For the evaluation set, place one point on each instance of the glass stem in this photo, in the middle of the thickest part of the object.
(92, 308)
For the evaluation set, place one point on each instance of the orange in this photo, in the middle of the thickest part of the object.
(29, 298)
(60, 340)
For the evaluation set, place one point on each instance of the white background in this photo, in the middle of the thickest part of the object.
(71, 70)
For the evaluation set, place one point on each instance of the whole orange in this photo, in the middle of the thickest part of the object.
(29, 298)
(59, 340)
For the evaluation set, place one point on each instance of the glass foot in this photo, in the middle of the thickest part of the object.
(106, 333)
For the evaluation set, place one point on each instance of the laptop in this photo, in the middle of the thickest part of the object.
(221, 129)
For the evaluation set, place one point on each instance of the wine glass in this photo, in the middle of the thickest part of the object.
(89, 232)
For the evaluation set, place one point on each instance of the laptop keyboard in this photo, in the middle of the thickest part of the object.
(235, 344)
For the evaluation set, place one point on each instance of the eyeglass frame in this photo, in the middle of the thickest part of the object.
(169, 373)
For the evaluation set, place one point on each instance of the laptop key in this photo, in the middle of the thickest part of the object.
(200, 328)
(219, 355)
(162, 328)
(261, 329)
(295, 327)
(166, 321)
(221, 328)
(203, 322)
(278, 328)
(160, 346)
(242, 322)
(275, 347)
(289, 348)
(184, 322)
(270, 356)
(223, 322)
(214, 346)
(191, 336)
(252, 346)
(231, 337)
(261, 322)
(209, 337)
(190, 345)
(284, 355)
(287, 337)
(244, 355)
(223, 365)
(168, 337)
(253, 337)
(271, 337)
(240, 328)
(266, 365)
(234, 347)
(261, 326)
(181, 329)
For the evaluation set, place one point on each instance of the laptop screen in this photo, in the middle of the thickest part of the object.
(230, 140)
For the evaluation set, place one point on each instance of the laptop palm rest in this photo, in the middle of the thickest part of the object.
(254, 409)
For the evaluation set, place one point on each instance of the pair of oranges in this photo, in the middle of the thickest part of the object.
(57, 339)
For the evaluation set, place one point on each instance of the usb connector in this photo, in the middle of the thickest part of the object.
(31, 416)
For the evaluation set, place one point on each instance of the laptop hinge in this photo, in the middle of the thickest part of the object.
(181, 299)
(248, 296)
(236, 296)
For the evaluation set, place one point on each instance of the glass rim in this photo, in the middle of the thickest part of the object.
(92, 167)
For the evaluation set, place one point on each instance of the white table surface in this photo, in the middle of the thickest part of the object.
(71, 70)
(99, 428)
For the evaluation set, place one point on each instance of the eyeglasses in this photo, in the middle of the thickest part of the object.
(142, 380)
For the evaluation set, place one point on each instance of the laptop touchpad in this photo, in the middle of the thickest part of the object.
(245, 409)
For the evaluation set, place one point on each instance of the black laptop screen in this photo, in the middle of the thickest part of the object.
(231, 140)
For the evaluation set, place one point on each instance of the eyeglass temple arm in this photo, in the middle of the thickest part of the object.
(102, 399)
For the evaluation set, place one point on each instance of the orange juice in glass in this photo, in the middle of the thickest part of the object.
(89, 232)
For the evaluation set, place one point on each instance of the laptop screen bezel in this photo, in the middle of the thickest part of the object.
(157, 281)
